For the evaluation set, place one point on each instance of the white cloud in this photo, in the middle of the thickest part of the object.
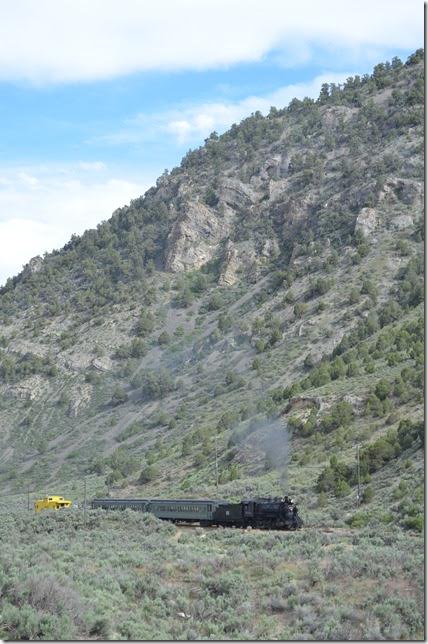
(95, 166)
(41, 207)
(190, 124)
(76, 40)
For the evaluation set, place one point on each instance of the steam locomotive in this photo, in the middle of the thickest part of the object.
(278, 513)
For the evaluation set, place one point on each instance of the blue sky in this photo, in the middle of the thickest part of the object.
(97, 99)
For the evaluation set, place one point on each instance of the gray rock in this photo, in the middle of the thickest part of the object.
(356, 402)
(31, 388)
(80, 397)
(367, 221)
(33, 266)
(238, 258)
(102, 363)
(270, 248)
(194, 238)
(401, 222)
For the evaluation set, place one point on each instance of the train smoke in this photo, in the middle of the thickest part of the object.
(276, 445)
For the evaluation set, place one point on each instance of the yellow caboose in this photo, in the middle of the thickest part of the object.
(51, 503)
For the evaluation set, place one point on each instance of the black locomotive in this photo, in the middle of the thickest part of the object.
(279, 513)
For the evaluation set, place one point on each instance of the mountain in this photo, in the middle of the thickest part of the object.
(261, 306)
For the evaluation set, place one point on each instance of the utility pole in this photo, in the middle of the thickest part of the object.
(216, 464)
(28, 499)
(84, 501)
(358, 475)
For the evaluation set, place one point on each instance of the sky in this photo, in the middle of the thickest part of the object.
(98, 98)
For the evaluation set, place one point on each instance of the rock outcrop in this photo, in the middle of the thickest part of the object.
(31, 388)
(34, 266)
(367, 221)
(239, 259)
(401, 222)
(80, 397)
(102, 363)
(194, 238)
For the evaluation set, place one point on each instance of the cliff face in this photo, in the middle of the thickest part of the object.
(228, 292)
(195, 237)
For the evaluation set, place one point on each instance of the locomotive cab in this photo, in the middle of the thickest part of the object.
(248, 509)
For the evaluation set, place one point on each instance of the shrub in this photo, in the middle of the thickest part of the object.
(215, 302)
(184, 298)
(321, 306)
(154, 384)
(359, 520)
(342, 488)
(138, 348)
(320, 375)
(409, 432)
(113, 477)
(148, 474)
(260, 345)
(322, 500)
(368, 494)
(289, 297)
(145, 324)
(309, 361)
(374, 406)
(352, 369)
(383, 389)
(300, 309)
(337, 368)
(199, 459)
(334, 478)
(390, 312)
(415, 523)
(354, 296)
(164, 338)
(320, 286)
(368, 288)
(224, 322)
(119, 396)
(227, 420)
(380, 452)
(210, 198)
(123, 462)
(341, 414)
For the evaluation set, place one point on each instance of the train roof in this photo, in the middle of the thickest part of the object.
(166, 500)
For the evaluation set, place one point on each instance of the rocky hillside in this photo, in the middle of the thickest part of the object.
(274, 280)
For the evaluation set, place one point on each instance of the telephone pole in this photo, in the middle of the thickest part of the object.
(216, 464)
(358, 475)
(84, 501)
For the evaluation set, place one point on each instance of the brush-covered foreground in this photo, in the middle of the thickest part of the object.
(130, 576)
